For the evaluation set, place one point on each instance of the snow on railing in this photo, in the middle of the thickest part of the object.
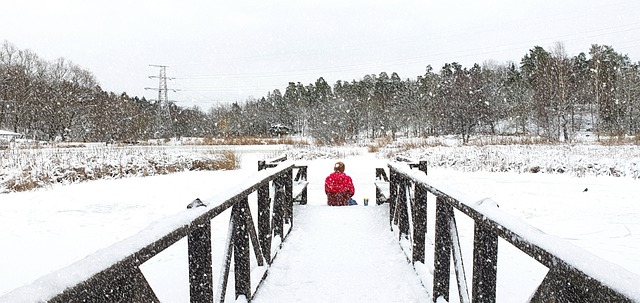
(113, 274)
(574, 274)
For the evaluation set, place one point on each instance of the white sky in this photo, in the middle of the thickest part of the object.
(227, 51)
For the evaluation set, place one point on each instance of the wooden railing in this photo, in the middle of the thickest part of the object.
(113, 274)
(589, 279)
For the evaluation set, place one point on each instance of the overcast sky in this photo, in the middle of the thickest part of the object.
(229, 51)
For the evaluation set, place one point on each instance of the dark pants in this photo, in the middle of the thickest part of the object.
(338, 199)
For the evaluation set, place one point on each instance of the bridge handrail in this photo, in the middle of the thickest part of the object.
(118, 264)
(566, 262)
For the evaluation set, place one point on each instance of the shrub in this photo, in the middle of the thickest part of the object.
(23, 170)
(249, 140)
(227, 160)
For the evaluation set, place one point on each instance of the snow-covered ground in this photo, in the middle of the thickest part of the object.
(47, 229)
(341, 255)
(574, 160)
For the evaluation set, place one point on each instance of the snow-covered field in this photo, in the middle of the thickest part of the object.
(574, 160)
(44, 230)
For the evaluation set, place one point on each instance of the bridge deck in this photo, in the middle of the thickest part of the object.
(341, 254)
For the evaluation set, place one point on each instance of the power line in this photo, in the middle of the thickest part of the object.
(453, 55)
(533, 20)
(394, 59)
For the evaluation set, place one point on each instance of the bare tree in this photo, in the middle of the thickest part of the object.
(605, 64)
(561, 101)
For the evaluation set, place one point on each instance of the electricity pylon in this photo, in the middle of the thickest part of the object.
(163, 125)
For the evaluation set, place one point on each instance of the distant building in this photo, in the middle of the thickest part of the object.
(280, 130)
(7, 138)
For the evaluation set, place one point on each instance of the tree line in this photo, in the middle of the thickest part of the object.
(59, 100)
(548, 93)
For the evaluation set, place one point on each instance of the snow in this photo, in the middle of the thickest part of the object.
(45, 230)
(328, 257)
(8, 133)
(576, 160)
(557, 191)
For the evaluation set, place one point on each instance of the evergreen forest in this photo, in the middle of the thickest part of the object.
(548, 93)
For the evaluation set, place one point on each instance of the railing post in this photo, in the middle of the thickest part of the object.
(278, 208)
(420, 218)
(305, 198)
(200, 270)
(264, 221)
(403, 213)
(302, 175)
(419, 223)
(381, 175)
(442, 250)
(485, 264)
(422, 166)
(393, 183)
(241, 252)
(288, 189)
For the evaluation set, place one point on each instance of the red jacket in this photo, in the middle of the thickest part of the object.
(339, 188)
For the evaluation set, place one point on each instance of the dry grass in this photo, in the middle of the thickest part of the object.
(619, 140)
(422, 143)
(330, 141)
(250, 140)
(509, 140)
(69, 145)
(417, 143)
(293, 141)
(228, 161)
(22, 184)
(379, 143)
(41, 168)
(321, 152)
(405, 145)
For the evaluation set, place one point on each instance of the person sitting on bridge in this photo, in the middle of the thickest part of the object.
(339, 187)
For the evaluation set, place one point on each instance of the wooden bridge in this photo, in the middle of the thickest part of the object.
(261, 228)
